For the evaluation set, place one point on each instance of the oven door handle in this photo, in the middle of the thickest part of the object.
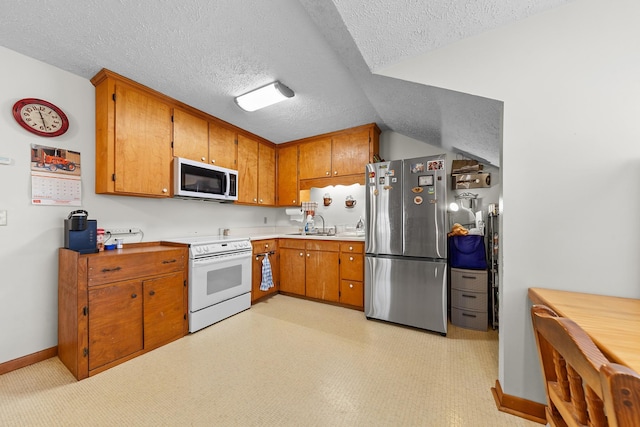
(217, 259)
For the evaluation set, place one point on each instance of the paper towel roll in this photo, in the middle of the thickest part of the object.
(293, 211)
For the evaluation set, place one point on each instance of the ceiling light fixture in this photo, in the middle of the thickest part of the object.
(264, 96)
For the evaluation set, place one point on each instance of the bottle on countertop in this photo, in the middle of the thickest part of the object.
(360, 225)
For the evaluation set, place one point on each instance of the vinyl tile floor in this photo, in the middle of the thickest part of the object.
(284, 362)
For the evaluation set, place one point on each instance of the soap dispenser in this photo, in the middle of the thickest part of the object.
(360, 226)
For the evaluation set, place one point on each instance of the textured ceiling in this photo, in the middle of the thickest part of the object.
(204, 53)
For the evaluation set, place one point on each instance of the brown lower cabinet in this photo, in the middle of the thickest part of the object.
(260, 249)
(326, 270)
(116, 305)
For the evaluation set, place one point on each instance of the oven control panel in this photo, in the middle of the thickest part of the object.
(214, 248)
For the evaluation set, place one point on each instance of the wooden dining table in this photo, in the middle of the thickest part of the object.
(613, 323)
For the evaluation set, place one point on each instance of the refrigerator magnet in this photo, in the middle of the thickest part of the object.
(435, 165)
(417, 190)
(417, 167)
(425, 180)
(417, 200)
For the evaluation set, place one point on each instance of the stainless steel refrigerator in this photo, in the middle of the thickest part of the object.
(406, 243)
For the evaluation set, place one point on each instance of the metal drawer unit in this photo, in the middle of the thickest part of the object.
(469, 299)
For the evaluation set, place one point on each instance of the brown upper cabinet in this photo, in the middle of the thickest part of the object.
(196, 138)
(256, 169)
(336, 158)
(140, 130)
(133, 158)
(338, 154)
(288, 192)
(223, 150)
(190, 136)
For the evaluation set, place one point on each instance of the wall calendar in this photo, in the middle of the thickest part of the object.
(55, 176)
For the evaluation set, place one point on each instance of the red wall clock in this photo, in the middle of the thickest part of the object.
(40, 117)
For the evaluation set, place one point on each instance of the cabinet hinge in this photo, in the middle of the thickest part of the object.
(184, 317)
(171, 144)
(85, 352)
(236, 141)
(185, 283)
(172, 118)
(113, 177)
(85, 310)
(339, 260)
(113, 96)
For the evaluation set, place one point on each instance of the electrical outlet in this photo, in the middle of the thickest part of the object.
(265, 219)
(3, 217)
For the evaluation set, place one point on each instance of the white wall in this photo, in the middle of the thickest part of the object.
(571, 157)
(28, 249)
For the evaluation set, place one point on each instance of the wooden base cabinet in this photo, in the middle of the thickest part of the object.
(352, 274)
(260, 249)
(116, 305)
(326, 270)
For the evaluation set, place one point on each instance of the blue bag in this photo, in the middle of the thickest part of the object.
(467, 252)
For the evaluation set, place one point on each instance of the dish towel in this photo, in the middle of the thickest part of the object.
(267, 275)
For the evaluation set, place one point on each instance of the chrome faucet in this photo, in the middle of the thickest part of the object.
(322, 221)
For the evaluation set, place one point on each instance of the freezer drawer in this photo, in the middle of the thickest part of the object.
(407, 291)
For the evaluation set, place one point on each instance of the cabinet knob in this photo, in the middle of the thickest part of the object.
(351, 285)
(335, 172)
(152, 292)
(308, 255)
(213, 161)
(134, 295)
(266, 246)
(350, 258)
(255, 200)
(203, 158)
(301, 254)
(293, 201)
(260, 200)
(350, 248)
(164, 190)
(327, 173)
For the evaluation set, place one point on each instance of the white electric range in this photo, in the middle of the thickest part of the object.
(219, 278)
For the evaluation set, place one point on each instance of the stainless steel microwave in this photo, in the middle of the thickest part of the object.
(199, 180)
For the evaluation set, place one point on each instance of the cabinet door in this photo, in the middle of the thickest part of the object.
(190, 136)
(288, 176)
(314, 159)
(115, 322)
(266, 175)
(247, 170)
(351, 266)
(163, 310)
(352, 293)
(222, 146)
(142, 143)
(322, 275)
(350, 153)
(292, 270)
(261, 247)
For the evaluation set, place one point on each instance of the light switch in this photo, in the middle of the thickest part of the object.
(3, 217)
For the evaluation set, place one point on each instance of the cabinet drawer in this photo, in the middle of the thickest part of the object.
(351, 266)
(262, 246)
(107, 269)
(476, 301)
(352, 247)
(352, 293)
(470, 280)
(322, 245)
(469, 319)
(292, 243)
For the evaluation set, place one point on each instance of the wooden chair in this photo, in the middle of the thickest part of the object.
(583, 388)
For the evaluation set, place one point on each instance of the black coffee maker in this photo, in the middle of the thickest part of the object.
(80, 232)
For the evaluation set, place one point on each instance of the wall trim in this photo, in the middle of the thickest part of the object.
(523, 408)
(27, 360)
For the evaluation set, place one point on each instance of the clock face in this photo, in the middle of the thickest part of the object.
(40, 117)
